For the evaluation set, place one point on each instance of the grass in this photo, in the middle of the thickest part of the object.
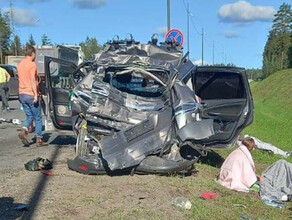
(273, 114)
(273, 110)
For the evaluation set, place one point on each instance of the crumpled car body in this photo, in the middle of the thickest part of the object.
(132, 110)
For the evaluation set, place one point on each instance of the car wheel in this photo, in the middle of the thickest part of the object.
(81, 142)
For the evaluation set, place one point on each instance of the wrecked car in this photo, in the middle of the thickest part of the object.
(144, 108)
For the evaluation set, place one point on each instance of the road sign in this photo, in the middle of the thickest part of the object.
(175, 36)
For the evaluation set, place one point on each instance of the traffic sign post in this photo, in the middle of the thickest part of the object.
(174, 36)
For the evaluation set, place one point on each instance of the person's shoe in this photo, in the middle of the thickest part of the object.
(289, 197)
(8, 109)
(23, 137)
(41, 143)
(2, 108)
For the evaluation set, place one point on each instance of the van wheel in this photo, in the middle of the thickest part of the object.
(81, 143)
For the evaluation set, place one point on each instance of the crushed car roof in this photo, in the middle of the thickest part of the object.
(141, 54)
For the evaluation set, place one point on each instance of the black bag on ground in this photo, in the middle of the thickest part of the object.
(38, 164)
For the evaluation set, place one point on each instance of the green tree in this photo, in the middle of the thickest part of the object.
(277, 53)
(30, 41)
(16, 48)
(283, 20)
(254, 74)
(5, 33)
(46, 41)
(90, 47)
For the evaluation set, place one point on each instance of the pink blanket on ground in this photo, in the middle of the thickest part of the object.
(238, 170)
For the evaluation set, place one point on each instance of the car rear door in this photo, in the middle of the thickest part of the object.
(59, 81)
(13, 82)
(226, 98)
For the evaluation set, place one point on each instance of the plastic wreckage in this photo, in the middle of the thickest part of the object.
(132, 110)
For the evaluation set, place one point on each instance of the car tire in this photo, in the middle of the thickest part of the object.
(81, 144)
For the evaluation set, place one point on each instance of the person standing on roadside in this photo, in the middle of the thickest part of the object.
(4, 79)
(28, 96)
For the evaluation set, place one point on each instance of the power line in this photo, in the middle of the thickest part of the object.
(202, 46)
(191, 16)
(204, 37)
(168, 15)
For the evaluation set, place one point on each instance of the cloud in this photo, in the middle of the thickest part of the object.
(244, 12)
(230, 34)
(88, 4)
(199, 62)
(161, 31)
(23, 17)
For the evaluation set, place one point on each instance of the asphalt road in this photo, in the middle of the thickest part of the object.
(13, 155)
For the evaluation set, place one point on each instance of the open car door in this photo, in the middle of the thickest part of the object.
(61, 77)
(226, 98)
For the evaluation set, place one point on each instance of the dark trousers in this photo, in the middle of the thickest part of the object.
(3, 94)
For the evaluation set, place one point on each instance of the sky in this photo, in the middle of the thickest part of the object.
(234, 31)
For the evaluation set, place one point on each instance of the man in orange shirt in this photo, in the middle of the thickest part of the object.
(28, 96)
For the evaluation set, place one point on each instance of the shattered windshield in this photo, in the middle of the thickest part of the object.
(137, 85)
(137, 81)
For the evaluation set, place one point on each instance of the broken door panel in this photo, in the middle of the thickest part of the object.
(129, 147)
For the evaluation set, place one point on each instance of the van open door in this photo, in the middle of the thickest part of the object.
(60, 78)
(226, 98)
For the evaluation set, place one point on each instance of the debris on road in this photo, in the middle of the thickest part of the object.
(47, 173)
(243, 217)
(239, 205)
(182, 202)
(38, 164)
(208, 195)
(14, 121)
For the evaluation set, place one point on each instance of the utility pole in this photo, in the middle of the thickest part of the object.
(168, 15)
(202, 46)
(12, 26)
(188, 29)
